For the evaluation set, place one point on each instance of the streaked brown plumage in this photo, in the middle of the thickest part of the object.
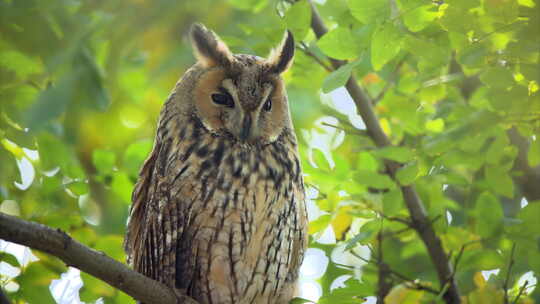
(218, 210)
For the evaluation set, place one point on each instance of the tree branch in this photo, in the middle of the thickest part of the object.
(3, 298)
(415, 206)
(530, 178)
(59, 244)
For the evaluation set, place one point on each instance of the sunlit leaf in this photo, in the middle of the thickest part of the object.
(369, 11)
(385, 45)
(367, 162)
(104, 160)
(402, 294)
(122, 186)
(319, 224)
(367, 232)
(339, 44)
(298, 19)
(338, 78)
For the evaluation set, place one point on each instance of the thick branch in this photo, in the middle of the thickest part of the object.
(3, 297)
(530, 178)
(73, 253)
(415, 206)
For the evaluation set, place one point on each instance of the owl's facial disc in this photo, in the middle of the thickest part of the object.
(249, 117)
(241, 95)
(252, 110)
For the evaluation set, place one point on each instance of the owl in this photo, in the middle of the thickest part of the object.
(218, 211)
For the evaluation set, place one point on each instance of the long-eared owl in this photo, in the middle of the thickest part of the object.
(218, 211)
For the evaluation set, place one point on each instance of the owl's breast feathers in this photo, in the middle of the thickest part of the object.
(224, 222)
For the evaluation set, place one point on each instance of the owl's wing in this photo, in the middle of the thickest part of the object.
(153, 227)
(301, 235)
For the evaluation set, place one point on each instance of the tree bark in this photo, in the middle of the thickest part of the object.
(59, 244)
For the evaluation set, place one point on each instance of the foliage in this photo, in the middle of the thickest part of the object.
(454, 83)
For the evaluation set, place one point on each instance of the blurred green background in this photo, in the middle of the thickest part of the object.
(455, 85)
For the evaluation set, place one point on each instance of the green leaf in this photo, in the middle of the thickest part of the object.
(34, 282)
(399, 154)
(392, 202)
(369, 11)
(338, 78)
(19, 63)
(533, 155)
(500, 181)
(365, 235)
(366, 161)
(419, 17)
(497, 150)
(489, 215)
(122, 186)
(135, 155)
(431, 55)
(374, 179)
(112, 246)
(498, 77)
(320, 223)
(104, 160)
(53, 152)
(320, 160)
(51, 103)
(298, 19)
(407, 174)
(457, 19)
(482, 259)
(435, 126)
(385, 44)
(349, 294)
(503, 11)
(90, 91)
(299, 301)
(251, 5)
(473, 56)
(340, 44)
(78, 187)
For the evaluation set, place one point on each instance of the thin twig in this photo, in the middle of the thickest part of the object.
(304, 48)
(521, 290)
(353, 131)
(507, 279)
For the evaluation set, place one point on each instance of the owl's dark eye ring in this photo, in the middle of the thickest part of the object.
(268, 105)
(223, 99)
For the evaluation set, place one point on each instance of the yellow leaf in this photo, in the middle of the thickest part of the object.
(489, 294)
(13, 148)
(479, 280)
(403, 295)
(341, 222)
(385, 124)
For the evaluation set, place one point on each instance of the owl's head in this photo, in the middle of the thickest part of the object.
(241, 96)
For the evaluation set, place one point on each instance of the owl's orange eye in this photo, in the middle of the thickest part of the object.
(268, 105)
(224, 99)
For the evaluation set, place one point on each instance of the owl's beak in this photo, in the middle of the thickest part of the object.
(245, 132)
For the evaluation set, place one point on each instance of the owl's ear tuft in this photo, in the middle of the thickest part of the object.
(208, 48)
(281, 58)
